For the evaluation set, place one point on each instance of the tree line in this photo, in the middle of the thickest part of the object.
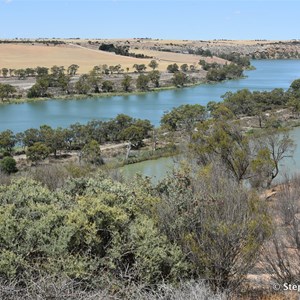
(256, 103)
(40, 143)
(121, 50)
(218, 72)
(60, 79)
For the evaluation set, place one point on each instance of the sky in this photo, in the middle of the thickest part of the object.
(163, 19)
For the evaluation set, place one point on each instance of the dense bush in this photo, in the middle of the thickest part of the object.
(220, 226)
(221, 73)
(90, 226)
(236, 58)
(8, 165)
(250, 103)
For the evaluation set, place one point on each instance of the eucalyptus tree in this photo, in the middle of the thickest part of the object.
(154, 77)
(6, 91)
(153, 64)
(72, 69)
(126, 83)
(142, 82)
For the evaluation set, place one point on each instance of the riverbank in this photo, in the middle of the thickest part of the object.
(116, 94)
(283, 117)
(100, 95)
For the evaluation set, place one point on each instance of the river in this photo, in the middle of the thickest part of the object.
(269, 74)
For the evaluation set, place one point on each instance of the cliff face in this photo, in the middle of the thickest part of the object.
(271, 50)
(252, 49)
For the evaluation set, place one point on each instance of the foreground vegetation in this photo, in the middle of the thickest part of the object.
(81, 230)
(92, 229)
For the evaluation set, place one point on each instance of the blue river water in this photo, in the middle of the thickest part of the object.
(269, 74)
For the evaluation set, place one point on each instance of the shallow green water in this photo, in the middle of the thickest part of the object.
(19, 117)
(156, 169)
(159, 168)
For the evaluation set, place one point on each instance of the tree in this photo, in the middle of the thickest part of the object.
(11, 72)
(72, 69)
(63, 81)
(42, 71)
(185, 117)
(282, 251)
(240, 102)
(56, 71)
(218, 72)
(154, 77)
(179, 79)
(223, 141)
(251, 157)
(29, 72)
(216, 75)
(126, 83)
(39, 89)
(107, 86)
(273, 146)
(30, 137)
(192, 68)
(7, 140)
(295, 85)
(118, 69)
(4, 72)
(105, 69)
(6, 91)
(82, 86)
(97, 70)
(37, 152)
(220, 226)
(94, 79)
(142, 82)
(134, 135)
(54, 139)
(184, 68)
(294, 103)
(139, 67)
(8, 165)
(111, 69)
(91, 153)
(173, 68)
(153, 64)
(21, 74)
(58, 78)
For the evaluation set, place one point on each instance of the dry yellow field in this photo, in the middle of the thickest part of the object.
(16, 56)
(169, 57)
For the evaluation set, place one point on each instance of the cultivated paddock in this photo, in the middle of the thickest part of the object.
(17, 56)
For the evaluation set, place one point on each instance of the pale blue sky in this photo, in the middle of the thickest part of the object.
(164, 19)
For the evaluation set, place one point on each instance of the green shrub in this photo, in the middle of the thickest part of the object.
(8, 165)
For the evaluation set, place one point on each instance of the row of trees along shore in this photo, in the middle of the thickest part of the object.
(64, 81)
(199, 227)
(40, 143)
